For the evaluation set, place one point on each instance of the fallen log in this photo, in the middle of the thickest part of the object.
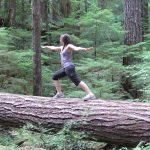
(117, 122)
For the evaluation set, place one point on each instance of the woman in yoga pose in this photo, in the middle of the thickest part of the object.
(68, 67)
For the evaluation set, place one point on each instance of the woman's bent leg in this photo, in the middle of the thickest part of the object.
(71, 73)
(89, 95)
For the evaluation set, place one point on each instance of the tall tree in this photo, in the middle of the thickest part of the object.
(86, 5)
(55, 9)
(44, 15)
(77, 17)
(1, 4)
(102, 4)
(133, 22)
(145, 16)
(44, 10)
(65, 7)
(11, 12)
(133, 35)
(1, 9)
(6, 9)
(36, 42)
(23, 13)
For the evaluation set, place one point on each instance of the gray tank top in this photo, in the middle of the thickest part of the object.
(66, 58)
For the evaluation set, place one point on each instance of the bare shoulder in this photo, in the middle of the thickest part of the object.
(70, 47)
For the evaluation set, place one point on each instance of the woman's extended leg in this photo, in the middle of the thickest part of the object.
(84, 87)
(89, 95)
(71, 73)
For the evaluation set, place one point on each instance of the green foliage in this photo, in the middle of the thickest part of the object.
(6, 140)
(5, 39)
(21, 38)
(142, 146)
(139, 71)
(8, 64)
(66, 139)
(45, 139)
(13, 68)
(88, 25)
(143, 71)
(101, 69)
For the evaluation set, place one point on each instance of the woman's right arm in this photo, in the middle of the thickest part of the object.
(55, 48)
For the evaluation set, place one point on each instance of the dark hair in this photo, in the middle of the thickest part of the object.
(66, 39)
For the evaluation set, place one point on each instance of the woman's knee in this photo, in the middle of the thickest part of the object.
(59, 74)
(54, 77)
(75, 79)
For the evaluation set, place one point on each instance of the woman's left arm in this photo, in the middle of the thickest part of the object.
(76, 48)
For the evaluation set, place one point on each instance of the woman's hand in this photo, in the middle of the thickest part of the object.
(90, 48)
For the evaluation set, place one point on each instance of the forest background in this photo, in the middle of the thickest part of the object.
(117, 68)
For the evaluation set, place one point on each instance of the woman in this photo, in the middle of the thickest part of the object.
(68, 68)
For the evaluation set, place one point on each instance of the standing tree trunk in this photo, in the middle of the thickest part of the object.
(145, 19)
(133, 35)
(133, 22)
(65, 8)
(6, 12)
(44, 15)
(23, 13)
(1, 4)
(102, 4)
(44, 10)
(77, 17)
(55, 9)
(36, 36)
(86, 5)
(1, 14)
(11, 12)
(114, 122)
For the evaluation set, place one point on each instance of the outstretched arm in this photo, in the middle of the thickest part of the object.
(55, 48)
(75, 48)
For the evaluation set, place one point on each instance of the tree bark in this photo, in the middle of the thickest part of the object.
(77, 17)
(65, 8)
(36, 42)
(23, 13)
(6, 12)
(44, 10)
(45, 18)
(133, 22)
(1, 4)
(133, 35)
(55, 10)
(114, 122)
(86, 5)
(145, 20)
(11, 12)
(102, 4)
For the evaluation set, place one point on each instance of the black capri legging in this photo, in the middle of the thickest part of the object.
(68, 71)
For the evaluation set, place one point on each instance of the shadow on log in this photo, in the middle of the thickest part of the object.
(114, 122)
